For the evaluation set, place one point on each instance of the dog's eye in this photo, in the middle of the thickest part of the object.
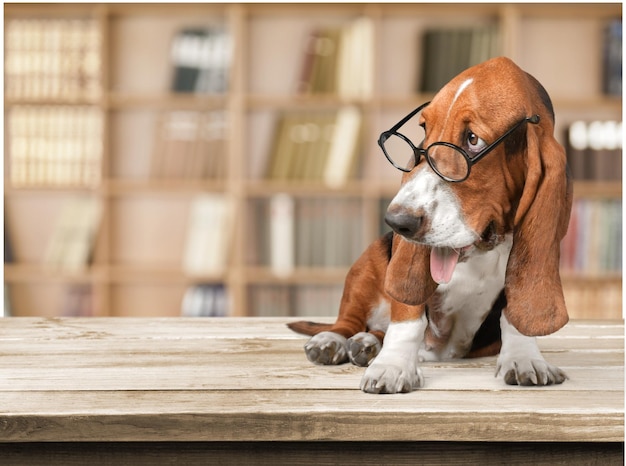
(474, 143)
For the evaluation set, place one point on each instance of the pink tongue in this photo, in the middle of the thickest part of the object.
(442, 264)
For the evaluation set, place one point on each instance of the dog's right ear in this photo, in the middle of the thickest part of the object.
(408, 278)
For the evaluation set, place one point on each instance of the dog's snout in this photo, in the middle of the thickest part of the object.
(404, 223)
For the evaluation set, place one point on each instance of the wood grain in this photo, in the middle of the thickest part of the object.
(198, 380)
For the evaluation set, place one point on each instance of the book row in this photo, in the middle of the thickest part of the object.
(594, 301)
(71, 244)
(316, 146)
(594, 150)
(307, 233)
(190, 145)
(201, 59)
(339, 60)
(296, 300)
(205, 300)
(448, 51)
(593, 244)
(53, 58)
(612, 70)
(75, 300)
(293, 233)
(55, 145)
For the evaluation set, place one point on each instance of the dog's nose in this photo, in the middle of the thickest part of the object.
(404, 223)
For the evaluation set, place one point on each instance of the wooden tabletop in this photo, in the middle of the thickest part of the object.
(247, 379)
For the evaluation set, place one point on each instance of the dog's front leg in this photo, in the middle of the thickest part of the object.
(521, 362)
(396, 369)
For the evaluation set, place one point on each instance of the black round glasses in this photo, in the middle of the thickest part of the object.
(449, 161)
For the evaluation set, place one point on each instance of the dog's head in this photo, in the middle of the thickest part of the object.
(513, 180)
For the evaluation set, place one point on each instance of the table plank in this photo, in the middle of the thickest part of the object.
(18, 328)
(311, 415)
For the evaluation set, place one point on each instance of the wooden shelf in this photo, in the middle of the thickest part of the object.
(595, 190)
(314, 101)
(138, 252)
(601, 278)
(165, 275)
(166, 101)
(266, 188)
(25, 273)
(300, 275)
(119, 188)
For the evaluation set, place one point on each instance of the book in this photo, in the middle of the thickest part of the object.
(343, 148)
(282, 247)
(73, 237)
(320, 146)
(209, 231)
(200, 60)
(211, 156)
(592, 245)
(356, 60)
(612, 59)
(78, 301)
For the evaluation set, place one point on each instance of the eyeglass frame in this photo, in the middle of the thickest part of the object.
(419, 152)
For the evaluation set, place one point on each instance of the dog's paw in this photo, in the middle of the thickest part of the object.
(529, 372)
(363, 348)
(383, 378)
(327, 348)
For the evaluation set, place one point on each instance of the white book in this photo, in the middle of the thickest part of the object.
(343, 146)
(208, 235)
(282, 234)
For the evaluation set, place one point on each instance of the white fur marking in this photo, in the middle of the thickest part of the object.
(428, 193)
(401, 342)
(520, 356)
(461, 88)
(396, 368)
(380, 316)
(464, 85)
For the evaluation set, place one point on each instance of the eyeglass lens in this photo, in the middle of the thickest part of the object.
(448, 161)
(399, 149)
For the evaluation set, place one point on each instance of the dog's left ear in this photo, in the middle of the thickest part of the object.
(408, 278)
(535, 303)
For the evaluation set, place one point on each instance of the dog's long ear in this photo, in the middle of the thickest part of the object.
(408, 278)
(535, 303)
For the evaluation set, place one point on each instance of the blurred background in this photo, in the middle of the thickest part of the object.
(221, 159)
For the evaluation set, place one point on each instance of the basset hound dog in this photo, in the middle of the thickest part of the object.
(472, 265)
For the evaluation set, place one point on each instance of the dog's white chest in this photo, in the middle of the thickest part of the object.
(477, 282)
(469, 296)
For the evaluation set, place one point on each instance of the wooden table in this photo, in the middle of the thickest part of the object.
(202, 391)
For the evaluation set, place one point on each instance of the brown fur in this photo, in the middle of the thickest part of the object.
(520, 188)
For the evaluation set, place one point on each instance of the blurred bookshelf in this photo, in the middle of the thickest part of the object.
(224, 156)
